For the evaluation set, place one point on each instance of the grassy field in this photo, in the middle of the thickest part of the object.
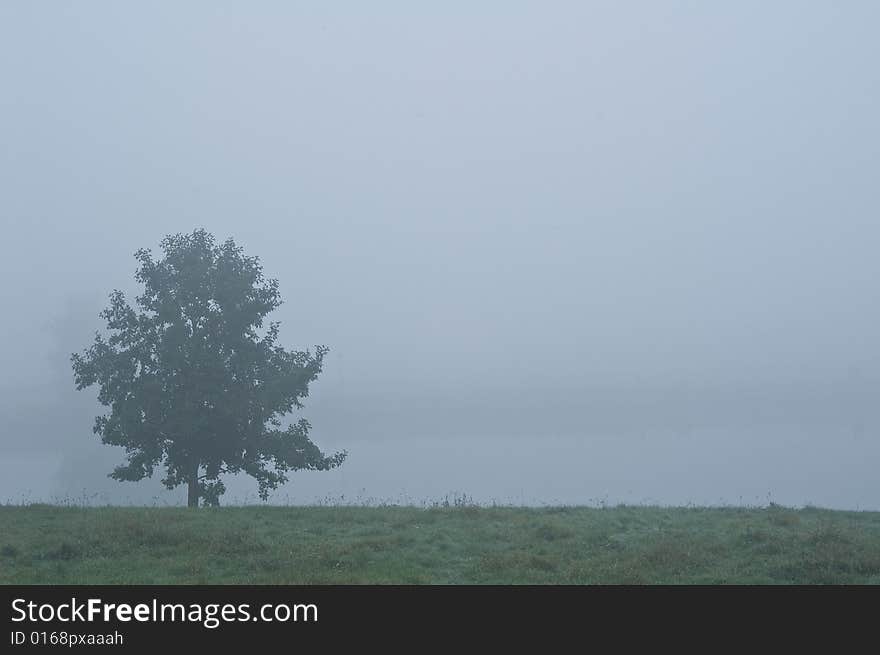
(42, 544)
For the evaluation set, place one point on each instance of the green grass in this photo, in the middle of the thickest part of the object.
(42, 544)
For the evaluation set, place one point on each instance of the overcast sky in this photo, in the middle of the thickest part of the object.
(503, 217)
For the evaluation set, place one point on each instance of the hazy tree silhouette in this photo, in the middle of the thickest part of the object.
(191, 378)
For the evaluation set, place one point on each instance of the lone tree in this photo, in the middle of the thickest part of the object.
(190, 380)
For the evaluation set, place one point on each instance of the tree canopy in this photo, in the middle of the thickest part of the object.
(194, 380)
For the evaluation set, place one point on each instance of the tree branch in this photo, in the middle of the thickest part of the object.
(202, 477)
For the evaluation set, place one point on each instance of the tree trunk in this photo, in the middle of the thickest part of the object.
(192, 496)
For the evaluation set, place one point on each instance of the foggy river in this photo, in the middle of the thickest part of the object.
(786, 465)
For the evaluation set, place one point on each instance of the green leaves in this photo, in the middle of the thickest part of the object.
(189, 379)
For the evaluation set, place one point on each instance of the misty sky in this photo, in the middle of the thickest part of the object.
(550, 245)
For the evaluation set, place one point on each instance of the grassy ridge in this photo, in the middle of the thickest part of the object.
(41, 544)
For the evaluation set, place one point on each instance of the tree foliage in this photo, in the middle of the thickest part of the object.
(192, 379)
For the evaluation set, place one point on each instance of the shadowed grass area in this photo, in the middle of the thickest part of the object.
(42, 544)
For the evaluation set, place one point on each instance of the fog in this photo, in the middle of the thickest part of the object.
(562, 253)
